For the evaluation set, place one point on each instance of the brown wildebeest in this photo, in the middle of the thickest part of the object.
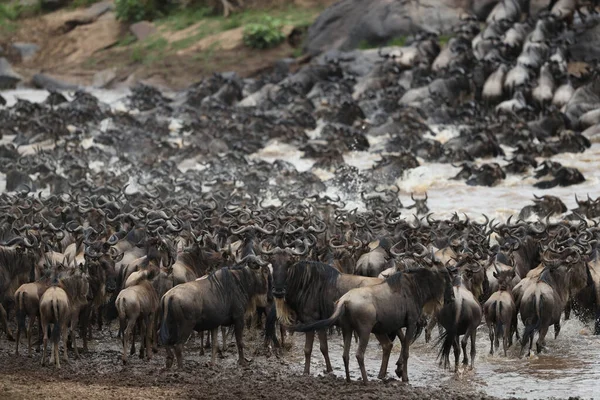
(27, 304)
(60, 304)
(544, 301)
(306, 291)
(225, 298)
(385, 309)
(137, 304)
(461, 317)
(17, 266)
(500, 311)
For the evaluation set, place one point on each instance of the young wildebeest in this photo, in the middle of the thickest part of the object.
(544, 301)
(60, 304)
(500, 311)
(225, 298)
(462, 317)
(306, 291)
(27, 304)
(136, 304)
(385, 309)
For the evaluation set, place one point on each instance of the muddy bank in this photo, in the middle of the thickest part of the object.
(100, 375)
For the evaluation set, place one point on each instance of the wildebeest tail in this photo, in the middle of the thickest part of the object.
(499, 326)
(56, 327)
(21, 310)
(533, 324)
(447, 339)
(324, 323)
(168, 326)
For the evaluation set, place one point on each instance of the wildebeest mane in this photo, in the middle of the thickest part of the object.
(310, 280)
(12, 264)
(74, 286)
(231, 284)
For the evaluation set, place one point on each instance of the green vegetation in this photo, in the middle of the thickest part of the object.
(139, 10)
(82, 3)
(443, 39)
(399, 41)
(265, 34)
(150, 50)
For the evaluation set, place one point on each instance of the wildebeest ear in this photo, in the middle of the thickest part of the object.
(495, 275)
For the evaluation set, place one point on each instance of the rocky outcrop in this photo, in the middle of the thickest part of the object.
(8, 78)
(349, 23)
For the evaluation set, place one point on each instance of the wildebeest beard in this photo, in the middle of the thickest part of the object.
(309, 286)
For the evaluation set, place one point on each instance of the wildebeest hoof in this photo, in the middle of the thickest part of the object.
(124, 362)
(399, 372)
(10, 337)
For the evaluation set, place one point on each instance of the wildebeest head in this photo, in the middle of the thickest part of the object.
(281, 260)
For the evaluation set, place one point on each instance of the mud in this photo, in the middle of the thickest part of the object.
(99, 374)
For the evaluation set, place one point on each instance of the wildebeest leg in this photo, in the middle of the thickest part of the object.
(179, 355)
(169, 350)
(473, 349)
(142, 329)
(215, 345)
(347, 333)
(568, 310)
(505, 338)
(541, 338)
(363, 341)
(74, 322)
(201, 343)
(556, 329)
(308, 345)
(386, 345)
(224, 335)
(64, 333)
(207, 345)
(491, 328)
(429, 328)
(324, 349)
(456, 347)
(29, 334)
(4, 321)
(402, 363)
(282, 332)
(239, 341)
(463, 344)
(127, 335)
(45, 341)
(55, 353)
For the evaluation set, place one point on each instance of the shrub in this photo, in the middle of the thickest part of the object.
(264, 34)
(136, 10)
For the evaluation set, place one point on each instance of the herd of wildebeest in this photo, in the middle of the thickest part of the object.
(162, 220)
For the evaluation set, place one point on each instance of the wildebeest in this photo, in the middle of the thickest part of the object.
(378, 259)
(460, 317)
(385, 309)
(27, 304)
(59, 305)
(500, 311)
(17, 266)
(306, 292)
(224, 298)
(136, 305)
(544, 301)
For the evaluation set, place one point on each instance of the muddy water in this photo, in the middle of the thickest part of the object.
(571, 365)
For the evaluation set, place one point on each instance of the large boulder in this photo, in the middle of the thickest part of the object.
(348, 23)
(8, 77)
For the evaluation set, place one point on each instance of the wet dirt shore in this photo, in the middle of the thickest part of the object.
(99, 374)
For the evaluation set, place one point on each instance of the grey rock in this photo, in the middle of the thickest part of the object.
(26, 50)
(347, 23)
(8, 77)
(43, 81)
(98, 9)
(104, 78)
(141, 30)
